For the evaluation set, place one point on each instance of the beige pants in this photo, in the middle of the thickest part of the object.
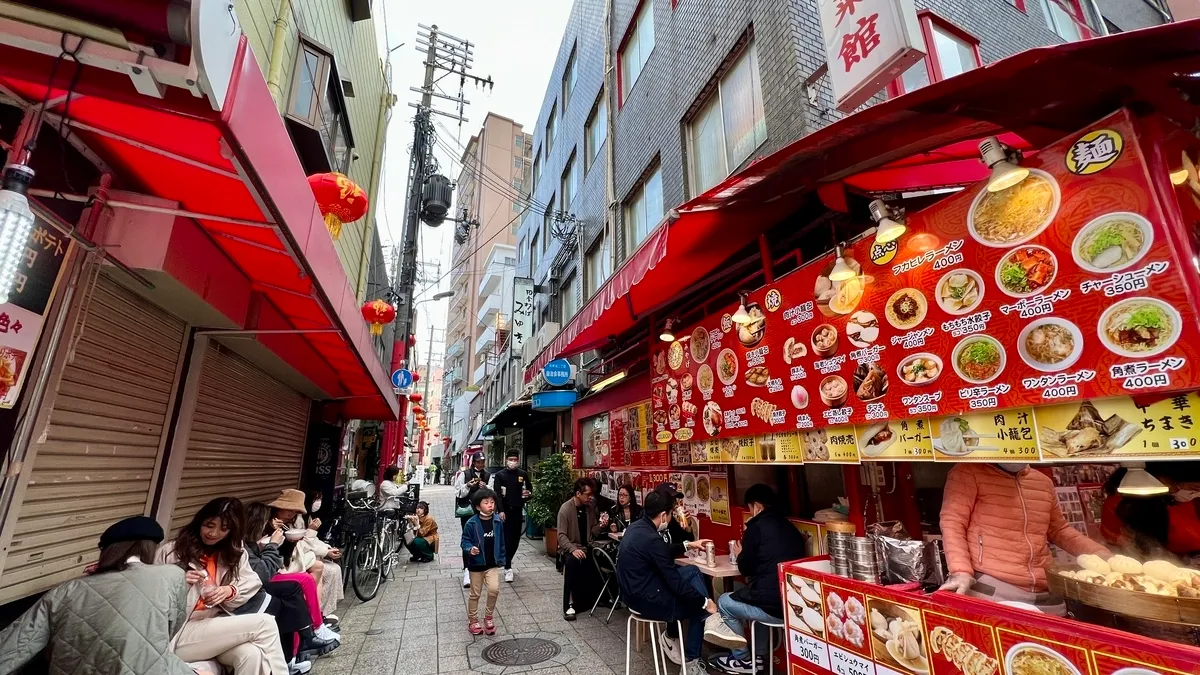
(478, 579)
(331, 587)
(249, 644)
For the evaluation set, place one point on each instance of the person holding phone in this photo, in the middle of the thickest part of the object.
(512, 484)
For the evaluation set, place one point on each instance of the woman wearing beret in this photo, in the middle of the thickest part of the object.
(119, 619)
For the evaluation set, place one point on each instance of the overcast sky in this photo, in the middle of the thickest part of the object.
(516, 42)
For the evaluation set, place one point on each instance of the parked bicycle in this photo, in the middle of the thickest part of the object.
(371, 540)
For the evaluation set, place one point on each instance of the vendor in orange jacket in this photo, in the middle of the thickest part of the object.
(997, 523)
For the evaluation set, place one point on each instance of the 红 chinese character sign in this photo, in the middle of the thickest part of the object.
(522, 313)
(868, 43)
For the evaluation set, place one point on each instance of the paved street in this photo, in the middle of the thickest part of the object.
(417, 623)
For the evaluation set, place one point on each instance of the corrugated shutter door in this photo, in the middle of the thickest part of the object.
(247, 437)
(95, 462)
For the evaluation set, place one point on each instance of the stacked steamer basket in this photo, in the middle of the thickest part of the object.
(864, 563)
(1170, 618)
(840, 541)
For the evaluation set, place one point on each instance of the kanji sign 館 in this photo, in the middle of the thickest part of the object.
(868, 43)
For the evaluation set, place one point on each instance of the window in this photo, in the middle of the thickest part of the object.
(597, 266)
(1063, 23)
(596, 131)
(643, 211)
(537, 171)
(639, 43)
(534, 253)
(519, 141)
(569, 305)
(949, 51)
(551, 123)
(729, 126)
(316, 111)
(547, 223)
(570, 183)
(568, 79)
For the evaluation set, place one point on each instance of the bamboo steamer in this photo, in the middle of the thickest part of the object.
(1158, 616)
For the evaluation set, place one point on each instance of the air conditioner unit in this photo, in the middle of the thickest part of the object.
(546, 334)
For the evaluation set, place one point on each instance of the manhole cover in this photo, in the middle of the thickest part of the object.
(521, 652)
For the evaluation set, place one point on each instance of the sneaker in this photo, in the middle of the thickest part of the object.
(508, 575)
(489, 626)
(466, 578)
(326, 633)
(318, 646)
(671, 648)
(332, 619)
(569, 615)
(299, 667)
(718, 632)
(727, 663)
(696, 667)
(475, 628)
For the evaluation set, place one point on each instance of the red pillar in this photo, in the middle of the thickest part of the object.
(393, 431)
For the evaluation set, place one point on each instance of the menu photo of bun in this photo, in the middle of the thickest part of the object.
(11, 362)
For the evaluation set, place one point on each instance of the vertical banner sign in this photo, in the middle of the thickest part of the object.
(21, 317)
(522, 313)
(718, 499)
(868, 43)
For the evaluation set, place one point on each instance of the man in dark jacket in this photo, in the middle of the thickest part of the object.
(769, 539)
(652, 586)
(512, 484)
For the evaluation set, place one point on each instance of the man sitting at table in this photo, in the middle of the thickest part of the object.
(578, 526)
(677, 535)
(653, 586)
(769, 539)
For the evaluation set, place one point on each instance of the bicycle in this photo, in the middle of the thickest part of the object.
(391, 528)
(362, 552)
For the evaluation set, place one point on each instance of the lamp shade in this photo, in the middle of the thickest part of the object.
(340, 199)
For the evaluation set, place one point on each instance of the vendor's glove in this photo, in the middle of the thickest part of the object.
(959, 582)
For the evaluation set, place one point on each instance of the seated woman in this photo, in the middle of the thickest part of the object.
(422, 536)
(221, 582)
(311, 554)
(625, 511)
(78, 622)
(297, 592)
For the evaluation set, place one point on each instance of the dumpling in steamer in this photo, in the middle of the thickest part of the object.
(1160, 570)
(1093, 562)
(1124, 564)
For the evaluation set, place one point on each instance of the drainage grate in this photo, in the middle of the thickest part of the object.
(521, 652)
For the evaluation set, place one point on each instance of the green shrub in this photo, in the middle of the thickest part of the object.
(552, 485)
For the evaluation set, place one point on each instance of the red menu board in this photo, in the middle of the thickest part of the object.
(1065, 287)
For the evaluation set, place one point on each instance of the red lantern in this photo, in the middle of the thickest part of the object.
(415, 398)
(340, 199)
(418, 410)
(416, 377)
(377, 313)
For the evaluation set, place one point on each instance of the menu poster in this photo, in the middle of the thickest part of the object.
(1072, 508)
(699, 452)
(1064, 287)
(814, 535)
(955, 642)
(838, 445)
(703, 494)
(1111, 664)
(1024, 652)
(718, 500)
(1001, 436)
(896, 637)
(907, 440)
(846, 623)
(805, 620)
(788, 449)
(1112, 428)
(1092, 498)
(616, 439)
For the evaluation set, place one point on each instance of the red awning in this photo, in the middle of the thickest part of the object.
(919, 141)
(238, 164)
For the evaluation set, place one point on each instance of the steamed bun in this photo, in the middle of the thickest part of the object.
(1160, 570)
(1124, 564)
(1094, 563)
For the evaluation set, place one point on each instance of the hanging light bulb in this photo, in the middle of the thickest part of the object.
(886, 229)
(16, 222)
(1139, 483)
(1004, 163)
(841, 271)
(1179, 177)
(741, 316)
(667, 334)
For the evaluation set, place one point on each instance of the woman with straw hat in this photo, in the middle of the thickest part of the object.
(310, 554)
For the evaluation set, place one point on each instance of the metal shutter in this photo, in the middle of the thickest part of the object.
(247, 436)
(96, 460)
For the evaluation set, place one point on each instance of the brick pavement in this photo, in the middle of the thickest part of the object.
(417, 623)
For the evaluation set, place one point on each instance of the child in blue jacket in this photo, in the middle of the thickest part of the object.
(483, 545)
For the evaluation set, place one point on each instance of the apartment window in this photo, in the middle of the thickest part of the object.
(316, 111)
(551, 124)
(639, 43)
(519, 141)
(537, 171)
(547, 223)
(643, 211)
(1064, 23)
(570, 183)
(597, 266)
(534, 254)
(949, 51)
(729, 126)
(568, 79)
(596, 131)
(569, 304)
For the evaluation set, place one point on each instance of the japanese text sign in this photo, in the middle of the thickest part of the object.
(868, 43)
(522, 313)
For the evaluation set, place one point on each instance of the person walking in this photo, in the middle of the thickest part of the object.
(466, 484)
(79, 622)
(483, 546)
(513, 485)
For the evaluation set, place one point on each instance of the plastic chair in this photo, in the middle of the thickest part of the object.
(656, 628)
(607, 568)
(771, 627)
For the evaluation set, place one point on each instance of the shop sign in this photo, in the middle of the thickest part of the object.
(907, 440)
(554, 400)
(1062, 289)
(21, 317)
(788, 449)
(1001, 436)
(1115, 429)
(558, 372)
(522, 313)
(868, 43)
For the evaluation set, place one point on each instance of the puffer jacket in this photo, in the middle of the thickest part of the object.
(115, 623)
(1001, 525)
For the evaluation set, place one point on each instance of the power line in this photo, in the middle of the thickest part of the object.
(498, 185)
(487, 168)
(477, 249)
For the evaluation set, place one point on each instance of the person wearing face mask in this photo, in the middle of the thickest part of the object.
(512, 484)
(651, 583)
(997, 523)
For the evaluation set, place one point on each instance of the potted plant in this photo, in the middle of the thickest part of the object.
(552, 486)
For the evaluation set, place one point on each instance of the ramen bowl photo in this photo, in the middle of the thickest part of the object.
(1139, 327)
(1028, 658)
(978, 359)
(1050, 344)
(1112, 242)
(1017, 214)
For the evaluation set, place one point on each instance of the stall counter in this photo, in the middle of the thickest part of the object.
(841, 626)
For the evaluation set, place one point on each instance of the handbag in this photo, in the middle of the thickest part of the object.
(464, 511)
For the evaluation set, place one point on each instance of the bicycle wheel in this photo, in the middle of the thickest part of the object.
(366, 568)
(390, 545)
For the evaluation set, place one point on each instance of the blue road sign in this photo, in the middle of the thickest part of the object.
(402, 379)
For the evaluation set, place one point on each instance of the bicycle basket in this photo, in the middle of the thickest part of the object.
(359, 522)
